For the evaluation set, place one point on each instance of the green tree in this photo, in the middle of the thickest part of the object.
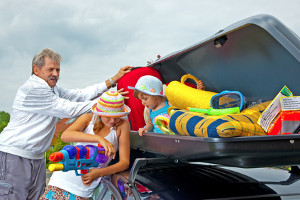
(57, 147)
(4, 119)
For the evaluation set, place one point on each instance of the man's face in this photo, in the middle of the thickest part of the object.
(49, 72)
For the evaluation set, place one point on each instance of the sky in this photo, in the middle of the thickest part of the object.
(97, 37)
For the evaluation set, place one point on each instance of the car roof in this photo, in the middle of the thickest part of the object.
(192, 181)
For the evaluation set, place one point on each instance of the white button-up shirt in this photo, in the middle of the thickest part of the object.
(36, 109)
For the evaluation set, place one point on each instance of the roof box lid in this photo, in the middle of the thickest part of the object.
(256, 56)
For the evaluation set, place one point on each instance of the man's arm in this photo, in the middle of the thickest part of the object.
(80, 95)
(43, 101)
(93, 91)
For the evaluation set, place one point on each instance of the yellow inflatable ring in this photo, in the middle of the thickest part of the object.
(163, 122)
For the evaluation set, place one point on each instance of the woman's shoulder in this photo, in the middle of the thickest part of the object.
(86, 117)
(124, 123)
(123, 127)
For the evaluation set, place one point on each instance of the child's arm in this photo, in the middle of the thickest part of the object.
(74, 134)
(149, 125)
(124, 157)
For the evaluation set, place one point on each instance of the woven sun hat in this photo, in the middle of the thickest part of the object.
(149, 85)
(111, 104)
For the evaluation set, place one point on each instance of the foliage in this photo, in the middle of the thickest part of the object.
(4, 119)
(57, 147)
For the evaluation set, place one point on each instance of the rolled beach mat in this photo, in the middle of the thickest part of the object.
(183, 96)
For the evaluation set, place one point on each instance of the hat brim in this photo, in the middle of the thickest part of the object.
(146, 92)
(127, 110)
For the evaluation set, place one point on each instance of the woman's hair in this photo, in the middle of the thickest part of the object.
(99, 125)
(39, 59)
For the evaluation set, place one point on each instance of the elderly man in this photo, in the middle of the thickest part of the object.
(37, 106)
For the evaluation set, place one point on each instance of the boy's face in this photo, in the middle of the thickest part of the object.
(148, 101)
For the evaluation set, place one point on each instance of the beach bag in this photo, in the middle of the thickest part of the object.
(182, 96)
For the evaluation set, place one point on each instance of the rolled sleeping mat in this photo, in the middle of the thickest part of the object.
(183, 96)
(188, 123)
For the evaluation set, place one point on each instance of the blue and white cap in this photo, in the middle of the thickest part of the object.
(149, 85)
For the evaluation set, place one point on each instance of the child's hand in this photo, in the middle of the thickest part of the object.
(88, 178)
(109, 147)
(200, 85)
(141, 131)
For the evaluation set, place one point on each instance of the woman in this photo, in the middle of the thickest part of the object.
(105, 126)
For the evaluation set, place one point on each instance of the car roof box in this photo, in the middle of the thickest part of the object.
(256, 56)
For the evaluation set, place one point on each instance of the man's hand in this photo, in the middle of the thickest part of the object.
(121, 73)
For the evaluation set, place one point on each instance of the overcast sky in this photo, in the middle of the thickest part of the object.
(96, 37)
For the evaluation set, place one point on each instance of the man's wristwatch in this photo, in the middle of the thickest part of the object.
(112, 83)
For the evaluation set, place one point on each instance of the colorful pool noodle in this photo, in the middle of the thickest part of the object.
(212, 111)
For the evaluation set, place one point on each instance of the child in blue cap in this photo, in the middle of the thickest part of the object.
(149, 90)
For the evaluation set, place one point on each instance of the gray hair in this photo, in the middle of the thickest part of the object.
(39, 60)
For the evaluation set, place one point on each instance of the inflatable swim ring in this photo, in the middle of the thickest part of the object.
(162, 122)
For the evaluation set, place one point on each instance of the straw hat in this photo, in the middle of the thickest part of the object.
(111, 104)
(149, 85)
